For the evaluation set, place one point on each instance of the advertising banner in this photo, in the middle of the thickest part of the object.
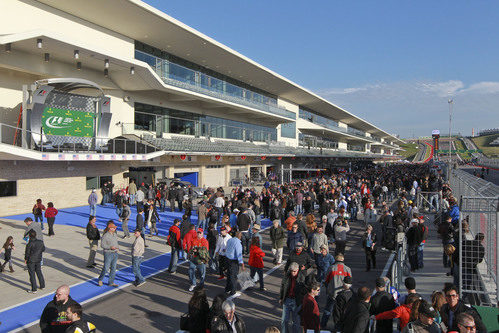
(67, 122)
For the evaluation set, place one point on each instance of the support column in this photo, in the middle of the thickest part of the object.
(227, 176)
(202, 172)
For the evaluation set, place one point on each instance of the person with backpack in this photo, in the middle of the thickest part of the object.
(38, 209)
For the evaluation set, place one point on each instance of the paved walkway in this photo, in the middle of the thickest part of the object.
(433, 276)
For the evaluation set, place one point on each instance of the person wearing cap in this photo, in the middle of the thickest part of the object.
(220, 248)
(382, 301)
(92, 202)
(425, 322)
(137, 257)
(334, 284)
(198, 258)
(340, 304)
(255, 232)
(277, 237)
(414, 237)
(109, 244)
(301, 257)
(323, 261)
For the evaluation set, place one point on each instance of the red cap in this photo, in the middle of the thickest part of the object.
(200, 230)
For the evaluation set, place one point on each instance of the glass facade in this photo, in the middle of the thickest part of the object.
(316, 119)
(185, 74)
(356, 147)
(158, 119)
(312, 141)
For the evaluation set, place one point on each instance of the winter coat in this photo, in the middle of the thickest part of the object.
(278, 237)
(256, 257)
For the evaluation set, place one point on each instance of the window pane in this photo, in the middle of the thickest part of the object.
(8, 189)
(92, 182)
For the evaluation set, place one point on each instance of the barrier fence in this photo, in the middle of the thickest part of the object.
(478, 248)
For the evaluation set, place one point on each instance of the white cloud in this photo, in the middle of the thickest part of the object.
(411, 107)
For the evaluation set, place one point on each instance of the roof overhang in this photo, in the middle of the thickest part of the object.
(60, 47)
(140, 21)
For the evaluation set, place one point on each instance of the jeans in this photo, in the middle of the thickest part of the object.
(119, 211)
(40, 219)
(110, 260)
(93, 210)
(202, 224)
(172, 268)
(434, 197)
(290, 316)
(136, 261)
(255, 270)
(35, 268)
(246, 240)
(299, 209)
(201, 268)
(162, 204)
(50, 222)
(328, 310)
(132, 199)
(340, 247)
(353, 213)
(420, 255)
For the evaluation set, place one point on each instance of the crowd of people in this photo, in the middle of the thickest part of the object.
(311, 220)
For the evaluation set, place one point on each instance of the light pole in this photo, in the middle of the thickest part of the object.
(450, 101)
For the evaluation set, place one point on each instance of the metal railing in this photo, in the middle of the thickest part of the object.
(478, 247)
(186, 78)
(70, 144)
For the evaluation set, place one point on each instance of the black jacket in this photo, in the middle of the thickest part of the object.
(92, 233)
(382, 301)
(460, 308)
(53, 319)
(243, 222)
(221, 325)
(81, 326)
(34, 250)
(340, 305)
(140, 221)
(414, 236)
(300, 289)
(302, 259)
(356, 317)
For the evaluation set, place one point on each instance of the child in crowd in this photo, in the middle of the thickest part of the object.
(7, 247)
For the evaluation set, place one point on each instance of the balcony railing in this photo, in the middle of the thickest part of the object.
(186, 78)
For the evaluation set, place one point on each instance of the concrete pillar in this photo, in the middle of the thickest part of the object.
(227, 175)
(264, 169)
(202, 172)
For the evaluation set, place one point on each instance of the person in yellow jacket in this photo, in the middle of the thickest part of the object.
(78, 325)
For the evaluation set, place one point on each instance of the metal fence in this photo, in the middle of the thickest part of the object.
(478, 248)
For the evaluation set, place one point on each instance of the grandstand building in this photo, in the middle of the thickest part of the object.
(116, 89)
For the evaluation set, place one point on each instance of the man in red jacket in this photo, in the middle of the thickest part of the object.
(174, 241)
(310, 316)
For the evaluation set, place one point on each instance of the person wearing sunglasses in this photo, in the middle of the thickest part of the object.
(465, 323)
(454, 307)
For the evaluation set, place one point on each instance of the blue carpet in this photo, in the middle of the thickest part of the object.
(21, 315)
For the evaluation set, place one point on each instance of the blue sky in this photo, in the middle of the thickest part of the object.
(393, 63)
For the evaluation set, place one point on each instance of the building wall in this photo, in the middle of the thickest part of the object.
(294, 108)
(62, 183)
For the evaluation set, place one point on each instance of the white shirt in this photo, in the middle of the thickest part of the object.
(219, 202)
(222, 244)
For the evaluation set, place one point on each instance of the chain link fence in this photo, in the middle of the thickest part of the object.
(478, 248)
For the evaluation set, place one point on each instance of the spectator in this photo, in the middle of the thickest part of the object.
(198, 258)
(340, 304)
(220, 251)
(356, 316)
(310, 316)
(202, 213)
(382, 301)
(132, 192)
(109, 244)
(33, 259)
(454, 307)
(30, 225)
(198, 311)
(402, 312)
(8, 247)
(414, 239)
(424, 321)
(437, 301)
(369, 244)
(277, 237)
(323, 261)
(301, 257)
(78, 325)
(212, 237)
(93, 236)
(38, 209)
(410, 286)
(54, 318)
(341, 228)
(334, 284)
(256, 261)
(234, 254)
(125, 216)
(294, 237)
(292, 290)
(465, 323)
(319, 240)
(140, 223)
(174, 241)
(50, 214)
(216, 308)
(152, 218)
(92, 202)
(229, 321)
(137, 257)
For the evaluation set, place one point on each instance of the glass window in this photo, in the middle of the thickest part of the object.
(145, 122)
(288, 130)
(8, 188)
(92, 182)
